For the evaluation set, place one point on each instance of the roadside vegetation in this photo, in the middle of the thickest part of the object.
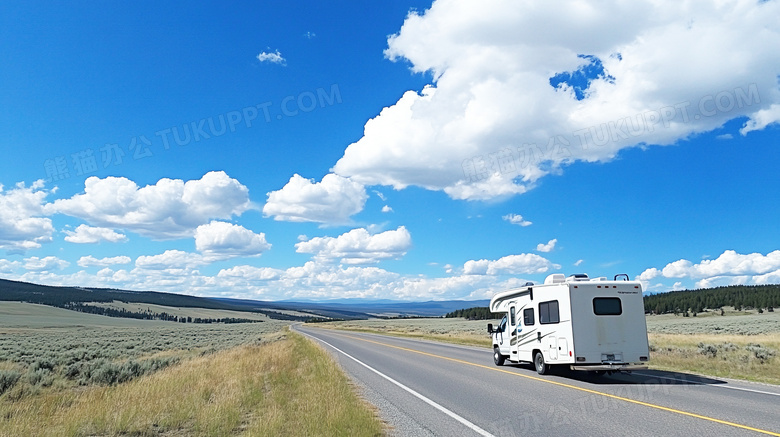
(158, 378)
(740, 344)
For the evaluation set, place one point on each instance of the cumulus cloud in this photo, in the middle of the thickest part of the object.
(88, 234)
(226, 240)
(7, 266)
(331, 201)
(729, 263)
(91, 261)
(171, 259)
(45, 264)
(730, 268)
(517, 219)
(358, 246)
(762, 119)
(250, 273)
(22, 225)
(518, 93)
(387, 208)
(169, 209)
(524, 263)
(272, 57)
(541, 247)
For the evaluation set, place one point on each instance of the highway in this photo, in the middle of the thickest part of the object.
(424, 388)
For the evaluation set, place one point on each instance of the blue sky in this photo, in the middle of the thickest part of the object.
(399, 150)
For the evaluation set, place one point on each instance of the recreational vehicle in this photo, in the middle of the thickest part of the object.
(584, 323)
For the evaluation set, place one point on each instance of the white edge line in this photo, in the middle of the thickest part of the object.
(460, 419)
(709, 385)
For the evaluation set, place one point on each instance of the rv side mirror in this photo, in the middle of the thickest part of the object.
(490, 328)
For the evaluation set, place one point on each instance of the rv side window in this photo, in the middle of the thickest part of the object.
(528, 316)
(607, 306)
(512, 316)
(548, 312)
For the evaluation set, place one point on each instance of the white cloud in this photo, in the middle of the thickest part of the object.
(547, 247)
(169, 209)
(730, 268)
(331, 201)
(272, 57)
(7, 266)
(386, 208)
(380, 195)
(729, 263)
(21, 224)
(171, 259)
(649, 274)
(517, 219)
(358, 246)
(91, 261)
(45, 264)
(491, 124)
(250, 273)
(88, 234)
(578, 262)
(762, 119)
(176, 271)
(524, 263)
(226, 240)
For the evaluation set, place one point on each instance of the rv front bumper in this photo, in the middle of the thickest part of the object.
(610, 366)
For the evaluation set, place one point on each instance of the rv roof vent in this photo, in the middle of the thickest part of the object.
(555, 278)
(577, 277)
(528, 284)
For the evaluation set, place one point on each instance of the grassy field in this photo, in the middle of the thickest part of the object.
(259, 390)
(741, 345)
(69, 373)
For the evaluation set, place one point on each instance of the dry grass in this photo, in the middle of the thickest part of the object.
(285, 387)
(749, 357)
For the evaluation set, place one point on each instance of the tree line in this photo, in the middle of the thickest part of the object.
(738, 296)
(149, 315)
(475, 313)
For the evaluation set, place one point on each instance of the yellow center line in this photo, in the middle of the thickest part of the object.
(633, 401)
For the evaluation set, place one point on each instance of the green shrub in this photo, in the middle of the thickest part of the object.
(708, 350)
(762, 354)
(40, 376)
(7, 379)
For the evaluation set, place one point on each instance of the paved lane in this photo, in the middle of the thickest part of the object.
(427, 388)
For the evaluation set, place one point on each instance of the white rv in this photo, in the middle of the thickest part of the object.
(585, 323)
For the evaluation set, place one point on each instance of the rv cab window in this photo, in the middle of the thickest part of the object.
(502, 325)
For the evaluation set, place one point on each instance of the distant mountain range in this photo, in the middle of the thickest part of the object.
(339, 309)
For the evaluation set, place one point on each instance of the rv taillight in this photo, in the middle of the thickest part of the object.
(569, 353)
(580, 358)
(642, 358)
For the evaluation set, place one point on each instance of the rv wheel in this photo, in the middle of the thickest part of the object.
(497, 357)
(541, 367)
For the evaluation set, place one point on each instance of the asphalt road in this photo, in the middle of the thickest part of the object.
(424, 388)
